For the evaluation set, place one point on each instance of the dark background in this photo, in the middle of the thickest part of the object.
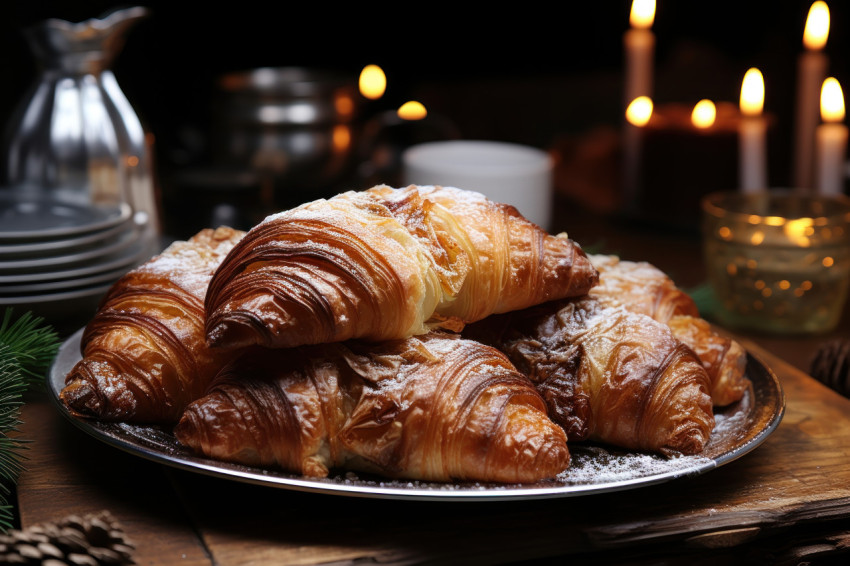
(530, 72)
(170, 60)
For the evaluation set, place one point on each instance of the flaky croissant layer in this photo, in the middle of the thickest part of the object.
(145, 355)
(385, 264)
(436, 408)
(724, 359)
(641, 287)
(608, 374)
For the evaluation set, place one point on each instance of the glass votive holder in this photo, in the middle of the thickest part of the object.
(778, 261)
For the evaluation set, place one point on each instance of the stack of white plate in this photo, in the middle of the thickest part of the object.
(58, 259)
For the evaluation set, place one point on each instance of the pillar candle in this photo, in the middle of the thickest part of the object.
(811, 71)
(639, 46)
(752, 134)
(831, 141)
(638, 114)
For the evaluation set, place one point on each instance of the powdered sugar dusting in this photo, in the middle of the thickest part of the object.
(727, 425)
(190, 264)
(596, 465)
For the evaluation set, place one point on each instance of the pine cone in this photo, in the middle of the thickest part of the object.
(831, 365)
(91, 540)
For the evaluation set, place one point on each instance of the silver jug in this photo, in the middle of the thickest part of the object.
(76, 138)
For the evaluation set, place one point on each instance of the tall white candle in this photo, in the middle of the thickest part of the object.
(638, 114)
(639, 47)
(752, 134)
(811, 70)
(831, 140)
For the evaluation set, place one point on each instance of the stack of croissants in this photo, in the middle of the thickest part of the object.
(418, 333)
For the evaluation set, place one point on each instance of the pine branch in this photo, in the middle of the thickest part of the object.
(27, 348)
(12, 387)
(31, 343)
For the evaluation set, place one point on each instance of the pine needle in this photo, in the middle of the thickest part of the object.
(32, 343)
(12, 387)
(27, 348)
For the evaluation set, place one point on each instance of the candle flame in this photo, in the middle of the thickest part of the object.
(373, 82)
(831, 101)
(817, 26)
(643, 14)
(704, 114)
(412, 110)
(752, 93)
(639, 111)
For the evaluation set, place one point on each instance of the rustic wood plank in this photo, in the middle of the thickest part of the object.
(68, 472)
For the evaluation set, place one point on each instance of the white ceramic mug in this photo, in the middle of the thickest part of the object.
(503, 172)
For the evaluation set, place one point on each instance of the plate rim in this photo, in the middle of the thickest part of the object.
(73, 242)
(69, 352)
(114, 214)
(135, 252)
(52, 286)
(71, 259)
(65, 295)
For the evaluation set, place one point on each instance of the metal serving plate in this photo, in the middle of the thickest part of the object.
(594, 469)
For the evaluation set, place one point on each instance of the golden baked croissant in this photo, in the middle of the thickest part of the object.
(640, 287)
(434, 408)
(643, 288)
(144, 353)
(608, 374)
(386, 264)
(724, 358)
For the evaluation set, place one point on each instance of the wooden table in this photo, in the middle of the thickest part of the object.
(787, 502)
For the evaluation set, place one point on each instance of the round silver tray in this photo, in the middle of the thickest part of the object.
(740, 428)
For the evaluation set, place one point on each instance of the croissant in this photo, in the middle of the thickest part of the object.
(724, 359)
(385, 264)
(642, 287)
(433, 408)
(608, 374)
(144, 352)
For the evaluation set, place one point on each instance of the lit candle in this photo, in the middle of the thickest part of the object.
(811, 70)
(639, 44)
(372, 82)
(412, 110)
(752, 132)
(831, 140)
(638, 113)
(704, 114)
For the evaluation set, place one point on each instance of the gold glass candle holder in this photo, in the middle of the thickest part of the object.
(778, 262)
